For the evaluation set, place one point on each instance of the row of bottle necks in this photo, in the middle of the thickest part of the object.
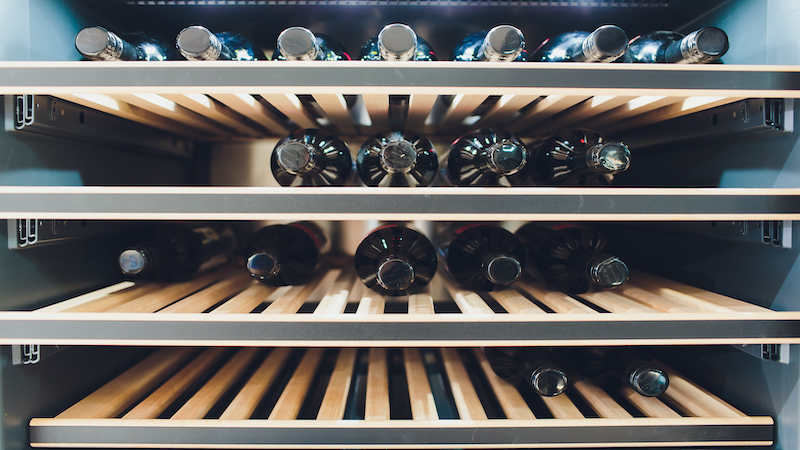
(393, 259)
(399, 42)
(486, 157)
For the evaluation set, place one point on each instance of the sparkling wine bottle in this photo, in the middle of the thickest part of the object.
(397, 158)
(99, 44)
(604, 44)
(395, 260)
(578, 157)
(700, 46)
(606, 365)
(481, 257)
(300, 44)
(501, 43)
(311, 157)
(178, 251)
(397, 42)
(283, 255)
(529, 366)
(487, 158)
(197, 43)
(570, 258)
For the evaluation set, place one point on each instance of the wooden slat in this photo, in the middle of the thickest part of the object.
(86, 298)
(420, 304)
(650, 406)
(557, 301)
(247, 300)
(562, 407)
(515, 303)
(635, 107)
(419, 107)
(615, 303)
(696, 297)
(423, 406)
(290, 401)
(248, 106)
(335, 108)
(246, 401)
(685, 107)
(207, 107)
(377, 403)
(171, 110)
(468, 302)
(657, 302)
(467, 401)
(121, 392)
(694, 400)
(335, 300)
(293, 299)
(158, 401)
(204, 399)
(600, 401)
(504, 109)
(463, 105)
(290, 105)
(591, 108)
(335, 400)
(543, 109)
(371, 303)
(210, 296)
(111, 301)
(378, 109)
(514, 406)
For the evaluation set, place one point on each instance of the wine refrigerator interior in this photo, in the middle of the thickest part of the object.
(402, 224)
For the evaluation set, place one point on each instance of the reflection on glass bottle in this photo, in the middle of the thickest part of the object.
(701, 46)
(300, 44)
(197, 43)
(606, 365)
(604, 44)
(570, 258)
(99, 44)
(578, 157)
(397, 158)
(397, 42)
(536, 367)
(487, 158)
(395, 260)
(178, 251)
(481, 257)
(311, 157)
(501, 43)
(283, 255)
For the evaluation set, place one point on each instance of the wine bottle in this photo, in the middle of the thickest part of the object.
(311, 157)
(602, 364)
(397, 42)
(481, 257)
(397, 158)
(700, 46)
(300, 44)
(197, 43)
(528, 366)
(99, 44)
(570, 257)
(605, 44)
(501, 43)
(395, 260)
(284, 255)
(487, 158)
(578, 157)
(178, 251)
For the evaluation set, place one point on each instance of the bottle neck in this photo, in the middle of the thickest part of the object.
(548, 380)
(701, 46)
(197, 43)
(608, 157)
(395, 274)
(502, 270)
(604, 44)
(263, 265)
(137, 260)
(506, 158)
(397, 42)
(296, 157)
(298, 44)
(398, 156)
(602, 270)
(502, 43)
(99, 44)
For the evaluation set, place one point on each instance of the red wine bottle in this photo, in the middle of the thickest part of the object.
(612, 365)
(283, 255)
(395, 260)
(197, 43)
(300, 44)
(481, 257)
(570, 258)
(487, 158)
(701, 46)
(397, 42)
(578, 157)
(397, 158)
(178, 251)
(99, 44)
(311, 157)
(605, 44)
(528, 366)
(501, 43)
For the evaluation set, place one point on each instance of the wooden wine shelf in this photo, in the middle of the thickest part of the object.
(252, 398)
(255, 99)
(227, 307)
(365, 203)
